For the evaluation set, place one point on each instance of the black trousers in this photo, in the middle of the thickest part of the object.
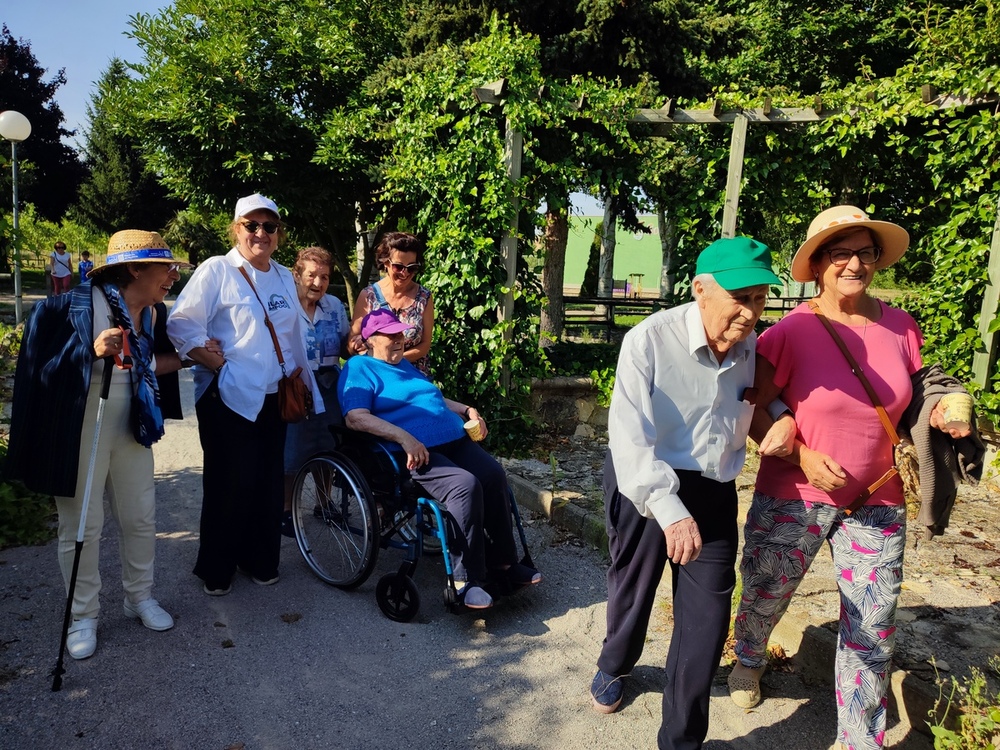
(243, 484)
(702, 594)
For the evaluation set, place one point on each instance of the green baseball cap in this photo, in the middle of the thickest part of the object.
(737, 262)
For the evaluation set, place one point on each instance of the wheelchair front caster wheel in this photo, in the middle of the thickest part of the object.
(397, 597)
(450, 598)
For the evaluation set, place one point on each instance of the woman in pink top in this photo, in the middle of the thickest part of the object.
(805, 486)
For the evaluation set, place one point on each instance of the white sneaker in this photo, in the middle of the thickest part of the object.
(153, 616)
(81, 640)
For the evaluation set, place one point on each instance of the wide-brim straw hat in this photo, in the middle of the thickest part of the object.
(137, 246)
(892, 238)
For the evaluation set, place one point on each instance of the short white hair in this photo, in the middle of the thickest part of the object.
(708, 282)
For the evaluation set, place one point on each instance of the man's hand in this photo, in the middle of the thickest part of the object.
(683, 541)
(822, 471)
(780, 438)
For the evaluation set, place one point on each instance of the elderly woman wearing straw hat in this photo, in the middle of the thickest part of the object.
(833, 481)
(250, 305)
(67, 342)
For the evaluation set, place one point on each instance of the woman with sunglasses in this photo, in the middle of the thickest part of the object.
(235, 299)
(401, 256)
(822, 484)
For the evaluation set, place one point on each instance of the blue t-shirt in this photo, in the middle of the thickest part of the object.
(86, 266)
(400, 395)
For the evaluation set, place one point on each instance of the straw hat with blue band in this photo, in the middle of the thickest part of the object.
(137, 246)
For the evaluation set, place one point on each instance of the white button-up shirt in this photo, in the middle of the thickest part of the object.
(217, 303)
(674, 407)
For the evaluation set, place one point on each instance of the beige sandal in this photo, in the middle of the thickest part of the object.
(744, 685)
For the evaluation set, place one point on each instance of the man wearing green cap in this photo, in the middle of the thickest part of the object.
(677, 432)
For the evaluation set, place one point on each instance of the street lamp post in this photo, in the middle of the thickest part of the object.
(15, 128)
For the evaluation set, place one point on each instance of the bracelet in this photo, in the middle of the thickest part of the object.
(218, 369)
(467, 409)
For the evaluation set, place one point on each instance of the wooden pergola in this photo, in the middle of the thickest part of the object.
(666, 118)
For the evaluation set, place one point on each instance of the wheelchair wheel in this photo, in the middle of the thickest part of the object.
(397, 597)
(336, 520)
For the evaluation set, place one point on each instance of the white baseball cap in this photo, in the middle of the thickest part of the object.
(253, 202)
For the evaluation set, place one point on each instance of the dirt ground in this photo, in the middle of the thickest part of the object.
(949, 616)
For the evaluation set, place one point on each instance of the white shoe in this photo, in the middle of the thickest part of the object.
(81, 639)
(153, 616)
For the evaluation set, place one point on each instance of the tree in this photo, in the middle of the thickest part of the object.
(49, 171)
(804, 47)
(120, 191)
(638, 44)
(198, 235)
(233, 97)
(443, 171)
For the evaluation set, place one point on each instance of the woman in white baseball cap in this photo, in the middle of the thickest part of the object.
(239, 299)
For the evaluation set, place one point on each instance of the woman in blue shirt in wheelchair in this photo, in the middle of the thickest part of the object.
(386, 396)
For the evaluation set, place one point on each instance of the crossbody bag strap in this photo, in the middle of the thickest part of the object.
(882, 414)
(267, 321)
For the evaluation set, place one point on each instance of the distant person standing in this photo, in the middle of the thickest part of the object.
(61, 268)
(85, 266)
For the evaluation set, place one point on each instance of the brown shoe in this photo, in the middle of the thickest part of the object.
(744, 685)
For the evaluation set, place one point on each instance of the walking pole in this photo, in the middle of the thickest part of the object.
(59, 671)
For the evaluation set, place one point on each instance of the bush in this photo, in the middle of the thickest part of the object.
(25, 517)
(979, 723)
(568, 358)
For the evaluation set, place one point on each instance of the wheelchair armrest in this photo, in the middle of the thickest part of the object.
(343, 434)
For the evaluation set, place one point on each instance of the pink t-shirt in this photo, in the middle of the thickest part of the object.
(833, 412)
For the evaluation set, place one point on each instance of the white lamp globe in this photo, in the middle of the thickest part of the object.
(14, 126)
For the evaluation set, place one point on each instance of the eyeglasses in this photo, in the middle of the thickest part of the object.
(60, 247)
(252, 226)
(841, 256)
(412, 268)
(174, 267)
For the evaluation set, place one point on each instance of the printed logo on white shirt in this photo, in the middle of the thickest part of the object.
(277, 302)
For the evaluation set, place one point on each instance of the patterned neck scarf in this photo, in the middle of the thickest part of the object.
(147, 420)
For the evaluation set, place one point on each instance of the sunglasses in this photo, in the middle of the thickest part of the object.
(252, 226)
(412, 268)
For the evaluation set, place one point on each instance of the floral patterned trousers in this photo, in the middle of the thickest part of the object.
(781, 539)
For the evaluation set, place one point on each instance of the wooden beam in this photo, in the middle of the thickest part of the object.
(716, 108)
(668, 108)
(928, 93)
(663, 123)
(983, 362)
(766, 109)
(513, 151)
(818, 104)
(734, 177)
(491, 93)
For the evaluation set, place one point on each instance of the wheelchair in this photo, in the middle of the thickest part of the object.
(351, 502)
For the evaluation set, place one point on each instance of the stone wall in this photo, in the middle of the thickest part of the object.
(568, 406)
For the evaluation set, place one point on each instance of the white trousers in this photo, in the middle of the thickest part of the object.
(123, 469)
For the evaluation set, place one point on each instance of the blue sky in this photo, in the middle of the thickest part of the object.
(78, 35)
(82, 36)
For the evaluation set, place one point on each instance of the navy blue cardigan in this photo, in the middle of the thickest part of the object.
(51, 384)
